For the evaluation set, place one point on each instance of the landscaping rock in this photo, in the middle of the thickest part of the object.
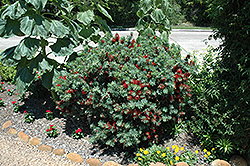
(45, 148)
(35, 141)
(94, 162)
(157, 164)
(12, 131)
(237, 160)
(111, 163)
(6, 125)
(59, 152)
(220, 163)
(74, 157)
(23, 136)
(181, 164)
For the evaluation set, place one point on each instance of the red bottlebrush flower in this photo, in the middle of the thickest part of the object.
(161, 86)
(137, 66)
(139, 45)
(137, 97)
(107, 54)
(179, 71)
(138, 92)
(122, 41)
(39, 77)
(50, 127)
(78, 130)
(125, 86)
(175, 67)
(1, 98)
(47, 130)
(134, 81)
(103, 41)
(64, 77)
(130, 92)
(120, 66)
(187, 74)
(8, 90)
(76, 72)
(113, 40)
(154, 64)
(189, 94)
(48, 111)
(2, 82)
(145, 56)
(24, 111)
(83, 92)
(130, 98)
(154, 37)
(58, 85)
(117, 37)
(13, 102)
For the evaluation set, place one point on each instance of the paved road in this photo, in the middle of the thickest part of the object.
(189, 40)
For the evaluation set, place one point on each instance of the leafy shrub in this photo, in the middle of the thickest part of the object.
(7, 73)
(133, 90)
(168, 155)
(209, 117)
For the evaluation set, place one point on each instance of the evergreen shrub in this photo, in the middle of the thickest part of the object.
(133, 90)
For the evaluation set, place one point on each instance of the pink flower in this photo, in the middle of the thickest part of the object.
(47, 130)
(24, 111)
(13, 102)
(48, 111)
(2, 82)
(1, 98)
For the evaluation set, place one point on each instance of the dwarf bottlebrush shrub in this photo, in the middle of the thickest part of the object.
(133, 90)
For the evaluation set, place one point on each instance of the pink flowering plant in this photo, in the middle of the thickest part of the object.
(77, 134)
(134, 90)
(49, 115)
(15, 106)
(1, 102)
(29, 117)
(51, 131)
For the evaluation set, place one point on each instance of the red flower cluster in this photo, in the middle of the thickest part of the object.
(13, 102)
(24, 111)
(64, 77)
(48, 111)
(78, 130)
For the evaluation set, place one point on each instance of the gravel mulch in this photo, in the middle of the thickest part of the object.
(65, 128)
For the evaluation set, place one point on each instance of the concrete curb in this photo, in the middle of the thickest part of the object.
(174, 30)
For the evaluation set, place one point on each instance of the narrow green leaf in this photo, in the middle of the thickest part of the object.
(63, 47)
(104, 12)
(85, 17)
(157, 15)
(27, 48)
(58, 29)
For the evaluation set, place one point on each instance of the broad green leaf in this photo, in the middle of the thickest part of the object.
(74, 29)
(157, 15)
(86, 32)
(85, 17)
(14, 11)
(23, 78)
(27, 48)
(10, 28)
(140, 13)
(7, 57)
(63, 47)
(146, 5)
(38, 4)
(58, 29)
(104, 12)
(141, 24)
(72, 57)
(34, 64)
(44, 65)
(47, 79)
(35, 25)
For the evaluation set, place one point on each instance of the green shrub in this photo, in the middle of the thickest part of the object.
(133, 90)
(168, 155)
(7, 73)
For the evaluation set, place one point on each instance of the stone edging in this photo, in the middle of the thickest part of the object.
(93, 161)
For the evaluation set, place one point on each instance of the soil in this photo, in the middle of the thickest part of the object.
(66, 126)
